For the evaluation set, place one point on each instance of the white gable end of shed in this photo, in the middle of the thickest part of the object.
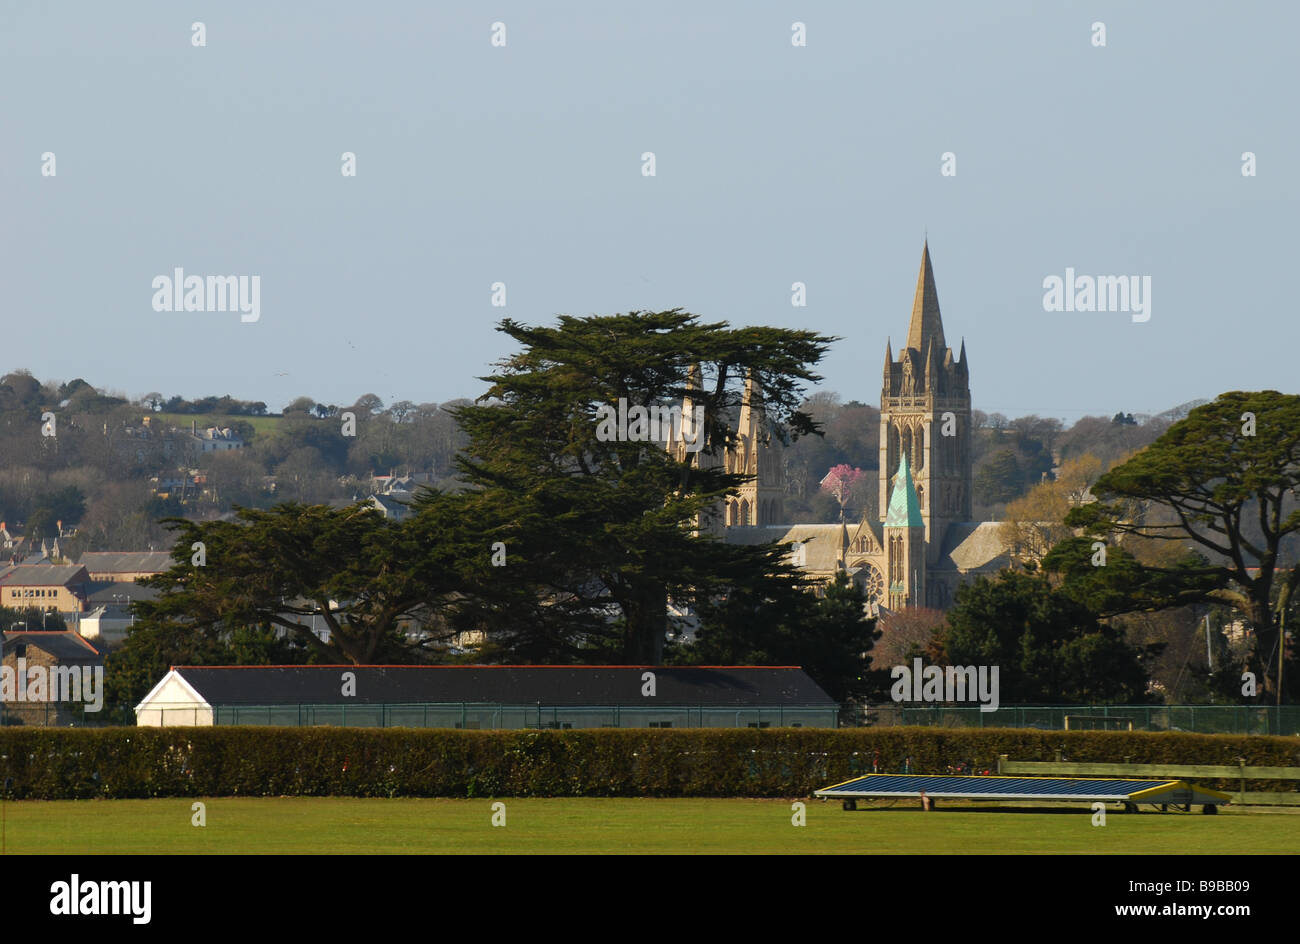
(173, 702)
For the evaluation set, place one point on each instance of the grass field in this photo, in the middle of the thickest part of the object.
(266, 427)
(612, 826)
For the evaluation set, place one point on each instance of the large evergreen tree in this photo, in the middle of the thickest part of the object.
(349, 571)
(830, 637)
(1218, 491)
(599, 532)
(1049, 648)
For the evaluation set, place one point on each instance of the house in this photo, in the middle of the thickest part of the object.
(387, 484)
(46, 676)
(391, 506)
(490, 697)
(12, 542)
(61, 588)
(214, 439)
(17, 548)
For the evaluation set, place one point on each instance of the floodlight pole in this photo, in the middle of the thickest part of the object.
(1281, 652)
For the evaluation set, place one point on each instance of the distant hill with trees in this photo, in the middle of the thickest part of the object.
(100, 472)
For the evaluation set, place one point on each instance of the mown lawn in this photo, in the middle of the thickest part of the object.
(612, 826)
(266, 427)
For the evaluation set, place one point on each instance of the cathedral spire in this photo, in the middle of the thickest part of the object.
(926, 324)
(750, 407)
(694, 386)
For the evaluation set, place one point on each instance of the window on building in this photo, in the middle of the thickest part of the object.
(660, 724)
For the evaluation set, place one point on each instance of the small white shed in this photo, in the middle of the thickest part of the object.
(174, 702)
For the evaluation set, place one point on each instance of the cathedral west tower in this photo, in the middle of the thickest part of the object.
(925, 395)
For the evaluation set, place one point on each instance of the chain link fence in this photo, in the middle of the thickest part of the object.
(1200, 719)
(465, 716)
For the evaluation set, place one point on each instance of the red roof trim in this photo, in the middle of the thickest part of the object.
(345, 666)
(56, 632)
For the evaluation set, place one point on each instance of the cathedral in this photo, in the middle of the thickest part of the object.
(923, 544)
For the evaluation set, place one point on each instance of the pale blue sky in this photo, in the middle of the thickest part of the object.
(775, 164)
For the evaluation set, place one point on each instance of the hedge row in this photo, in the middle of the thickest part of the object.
(262, 761)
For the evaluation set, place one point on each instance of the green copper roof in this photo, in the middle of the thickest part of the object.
(904, 506)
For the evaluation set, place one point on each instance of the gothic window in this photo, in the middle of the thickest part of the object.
(875, 585)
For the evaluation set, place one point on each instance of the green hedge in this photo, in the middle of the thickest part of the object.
(260, 761)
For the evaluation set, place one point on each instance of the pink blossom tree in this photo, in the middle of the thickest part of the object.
(839, 482)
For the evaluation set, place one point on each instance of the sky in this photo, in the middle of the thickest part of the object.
(522, 164)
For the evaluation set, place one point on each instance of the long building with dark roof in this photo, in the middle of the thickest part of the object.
(488, 697)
